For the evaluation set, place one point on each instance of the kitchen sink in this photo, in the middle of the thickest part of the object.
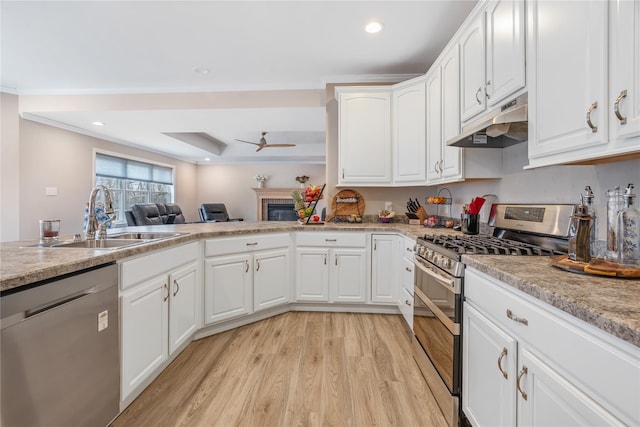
(150, 235)
(116, 241)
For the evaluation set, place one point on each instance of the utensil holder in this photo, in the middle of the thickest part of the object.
(470, 223)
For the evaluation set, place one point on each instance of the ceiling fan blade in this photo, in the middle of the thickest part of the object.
(260, 147)
(248, 142)
(280, 145)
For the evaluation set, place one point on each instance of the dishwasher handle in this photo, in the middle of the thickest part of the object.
(51, 305)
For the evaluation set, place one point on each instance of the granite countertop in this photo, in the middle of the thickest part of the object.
(610, 304)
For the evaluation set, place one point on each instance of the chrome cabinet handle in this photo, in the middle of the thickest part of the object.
(246, 263)
(166, 287)
(257, 265)
(408, 269)
(616, 107)
(177, 285)
(407, 302)
(594, 128)
(486, 92)
(515, 318)
(522, 373)
(408, 249)
(252, 244)
(336, 259)
(502, 355)
(325, 259)
(478, 99)
(330, 240)
(375, 244)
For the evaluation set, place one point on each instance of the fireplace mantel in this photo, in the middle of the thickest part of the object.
(266, 194)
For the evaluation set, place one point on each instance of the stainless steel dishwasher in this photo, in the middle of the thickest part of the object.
(60, 352)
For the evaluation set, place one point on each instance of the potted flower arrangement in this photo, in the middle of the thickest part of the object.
(305, 203)
(302, 180)
(261, 180)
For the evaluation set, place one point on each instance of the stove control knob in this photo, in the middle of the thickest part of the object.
(430, 254)
(447, 263)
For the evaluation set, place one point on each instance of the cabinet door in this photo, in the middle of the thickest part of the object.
(505, 50)
(364, 138)
(312, 274)
(451, 166)
(624, 78)
(405, 289)
(227, 287)
(409, 145)
(472, 81)
(349, 275)
(488, 372)
(384, 268)
(434, 124)
(144, 314)
(271, 279)
(183, 310)
(567, 42)
(552, 400)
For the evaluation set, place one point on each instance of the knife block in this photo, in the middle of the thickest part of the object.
(421, 214)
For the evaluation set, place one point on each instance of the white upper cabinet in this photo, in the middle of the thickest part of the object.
(624, 73)
(408, 142)
(493, 57)
(434, 124)
(364, 135)
(584, 81)
(451, 164)
(472, 81)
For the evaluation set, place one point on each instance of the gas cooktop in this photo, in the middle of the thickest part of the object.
(488, 245)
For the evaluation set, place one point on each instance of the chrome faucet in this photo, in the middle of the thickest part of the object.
(92, 223)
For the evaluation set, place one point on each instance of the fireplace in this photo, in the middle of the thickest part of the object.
(275, 204)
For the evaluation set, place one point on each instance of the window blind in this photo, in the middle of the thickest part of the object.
(116, 167)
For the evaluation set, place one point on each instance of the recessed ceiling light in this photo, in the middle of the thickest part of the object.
(207, 159)
(201, 70)
(374, 27)
(98, 123)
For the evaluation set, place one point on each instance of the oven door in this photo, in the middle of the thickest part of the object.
(436, 320)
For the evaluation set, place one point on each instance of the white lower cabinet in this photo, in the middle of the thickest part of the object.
(331, 267)
(526, 363)
(239, 284)
(384, 268)
(159, 311)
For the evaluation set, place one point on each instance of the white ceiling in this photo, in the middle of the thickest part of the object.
(144, 47)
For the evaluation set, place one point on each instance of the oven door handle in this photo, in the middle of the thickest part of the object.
(453, 327)
(439, 278)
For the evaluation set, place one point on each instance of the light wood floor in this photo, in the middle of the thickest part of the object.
(295, 369)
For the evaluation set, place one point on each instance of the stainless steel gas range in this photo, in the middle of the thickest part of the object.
(520, 230)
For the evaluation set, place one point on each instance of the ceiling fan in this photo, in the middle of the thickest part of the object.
(263, 143)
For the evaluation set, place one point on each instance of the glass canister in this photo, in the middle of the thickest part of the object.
(614, 205)
(629, 231)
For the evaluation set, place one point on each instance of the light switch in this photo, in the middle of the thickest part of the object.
(388, 206)
(50, 191)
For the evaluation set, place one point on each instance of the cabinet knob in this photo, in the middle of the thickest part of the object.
(594, 128)
(616, 107)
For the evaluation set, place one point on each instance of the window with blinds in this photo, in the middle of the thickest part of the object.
(132, 181)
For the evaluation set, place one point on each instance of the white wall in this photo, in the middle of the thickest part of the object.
(53, 157)
(9, 167)
(232, 184)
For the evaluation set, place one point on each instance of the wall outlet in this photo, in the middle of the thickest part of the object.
(388, 206)
(51, 191)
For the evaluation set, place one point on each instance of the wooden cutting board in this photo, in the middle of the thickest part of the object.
(346, 203)
(596, 267)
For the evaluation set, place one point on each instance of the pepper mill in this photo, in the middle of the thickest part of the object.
(579, 234)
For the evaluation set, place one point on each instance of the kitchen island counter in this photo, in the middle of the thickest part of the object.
(610, 304)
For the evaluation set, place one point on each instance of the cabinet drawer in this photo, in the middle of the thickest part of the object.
(242, 244)
(597, 363)
(358, 240)
(407, 248)
(145, 267)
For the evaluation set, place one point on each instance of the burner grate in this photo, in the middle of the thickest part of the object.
(488, 245)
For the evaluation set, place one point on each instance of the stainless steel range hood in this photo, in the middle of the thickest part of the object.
(501, 127)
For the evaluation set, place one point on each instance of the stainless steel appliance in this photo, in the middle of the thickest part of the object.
(60, 353)
(520, 230)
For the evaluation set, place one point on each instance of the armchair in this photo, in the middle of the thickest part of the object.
(154, 214)
(215, 212)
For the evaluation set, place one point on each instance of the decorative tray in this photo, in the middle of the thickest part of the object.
(595, 267)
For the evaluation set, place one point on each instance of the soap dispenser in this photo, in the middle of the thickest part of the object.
(629, 231)
(587, 199)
